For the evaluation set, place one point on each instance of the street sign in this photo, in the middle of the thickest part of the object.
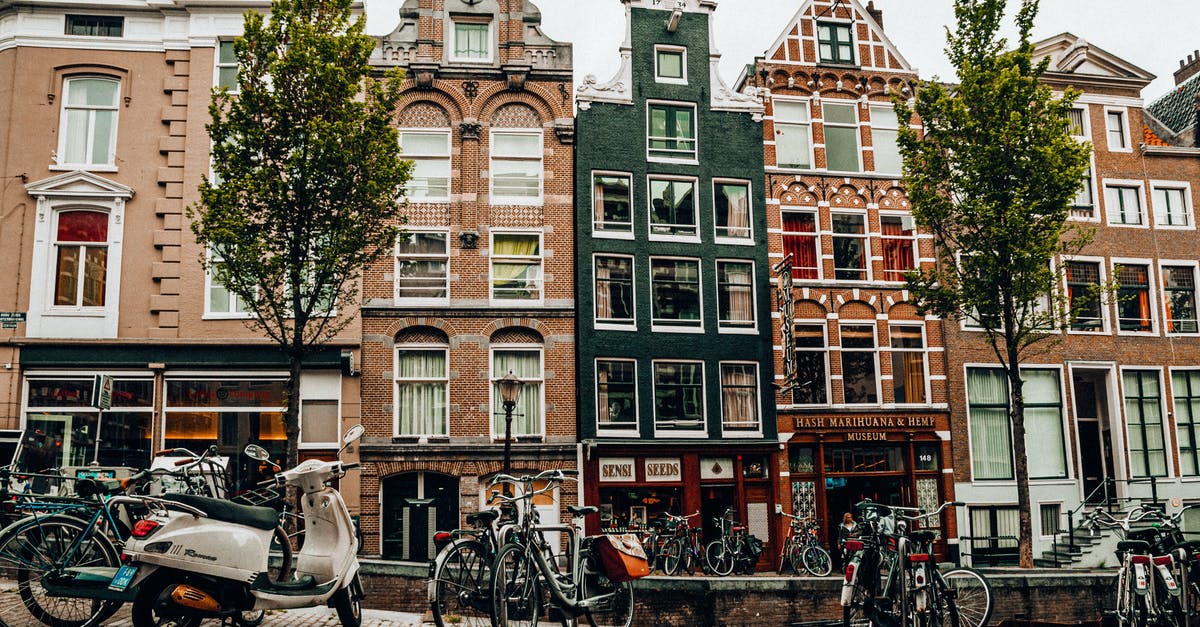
(102, 391)
(9, 319)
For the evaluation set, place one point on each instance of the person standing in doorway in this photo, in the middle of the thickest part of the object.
(848, 529)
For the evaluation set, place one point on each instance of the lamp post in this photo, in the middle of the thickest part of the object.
(510, 391)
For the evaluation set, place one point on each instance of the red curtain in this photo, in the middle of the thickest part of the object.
(897, 249)
(800, 241)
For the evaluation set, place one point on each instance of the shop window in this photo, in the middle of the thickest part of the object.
(422, 267)
(675, 293)
(800, 460)
(671, 131)
(801, 241)
(739, 398)
(884, 134)
(1179, 291)
(616, 394)
(756, 468)
(812, 366)
(526, 364)
(673, 208)
(429, 150)
(678, 395)
(841, 459)
(1185, 386)
(735, 295)
(850, 248)
(991, 436)
(835, 43)
(899, 241)
(909, 379)
(1083, 290)
(89, 122)
(793, 134)
(631, 509)
(81, 264)
(611, 203)
(860, 367)
(614, 290)
(516, 267)
(1133, 298)
(1143, 415)
(61, 424)
(841, 137)
(422, 391)
(731, 202)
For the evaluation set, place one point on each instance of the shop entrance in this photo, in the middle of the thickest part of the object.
(841, 493)
(714, 500)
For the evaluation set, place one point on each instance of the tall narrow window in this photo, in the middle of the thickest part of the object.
(611, 204)
(81, 268)
(1179, 287)
(222, 302)
(1083, 289)
(679, 395)
(1171, 207)
(812, 366)
(526, 365)
(516, 167)
(672, 131)
(735, 295)
(423, 266)
(1185, 385)
(841, 137)
(472, 41)
(422, 391)
(793, 134)
(860, 371)
(884, 131)
(731, 201)
(899, 239)
(1084, 205)
(89, 122)
(1115, 124)
(1143, 414)
(991, 437)
(675, 292)
(430, 153)
(614, 290)
(739, 398)
(1075, 119)
(835, 43)
(227, 67)
(616, 394)
(1133, 298)
(908, 364)
(800, 241)
(517, 266)
(850, 246)
(673, 208)
(1124, 205)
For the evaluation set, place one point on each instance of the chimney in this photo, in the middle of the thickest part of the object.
(876, 14)
(1187, 69)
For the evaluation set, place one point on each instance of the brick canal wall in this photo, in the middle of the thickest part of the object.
(1056, 596)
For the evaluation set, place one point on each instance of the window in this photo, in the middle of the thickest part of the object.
(319, 422)
(679, 395)
(1124, 205)
(430, 154)
(860, 370)
(526, 364)
(422, 391)
(835, 43)
(670, 64)
(423, 266)
(81, 266)
(735, 295)
(1171, 207)
(61, 425)
(95, 25)
(841, 138)
(673, 208)
(616, 394)
(812, 366)
(1133, 298)
(675, 292)
(672, 133)
(472, 41)
(516, 167)
(1185, 385)
(221, 301)
(227, 67)
(850, 247)
(739, 398)
(1143, 414)
(614, 290)
(1075, 119)
(884, 132)
(793, 134)
(1084, 205)
(1179, 288)
(731, 201)
(1114, 121)
(611, 203)
(89, 122)
(899, 240)
(517, 266)
(908, 364)
(1083, 290)
(1051, 517)
(991, 437)
(800, 241)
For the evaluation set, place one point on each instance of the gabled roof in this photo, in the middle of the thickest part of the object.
(1074, 58)
(78, 183)
(1177, 109)
(789, 46)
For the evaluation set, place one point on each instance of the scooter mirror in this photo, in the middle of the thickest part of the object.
(254, 451)
(353, 433)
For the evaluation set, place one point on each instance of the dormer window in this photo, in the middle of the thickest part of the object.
(835, 43)
(472, 41)
(95, 25)
(670, 64)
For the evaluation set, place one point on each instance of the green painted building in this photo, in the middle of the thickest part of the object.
(673, 282)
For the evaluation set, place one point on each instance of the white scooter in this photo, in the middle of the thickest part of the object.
(195, 557)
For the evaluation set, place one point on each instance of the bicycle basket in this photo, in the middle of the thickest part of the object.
(622, 557)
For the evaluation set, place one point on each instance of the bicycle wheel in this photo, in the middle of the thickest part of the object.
(650, 547)
(516, 590)
(35, 552)
(460, 591)
(719, 557)
(854, 615)
(816, 561)
(673, 556)
(614, 605)
(970, 598)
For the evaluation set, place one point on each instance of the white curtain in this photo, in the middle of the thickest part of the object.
(741, 293)
(421, 392)
(738, 409)
(527, 366)
(1043, 424)
(604, 308)
(991, 449)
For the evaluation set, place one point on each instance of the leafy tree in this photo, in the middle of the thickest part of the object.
(992, 178)
(309, 176)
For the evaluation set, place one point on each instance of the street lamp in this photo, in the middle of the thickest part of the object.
(510, 391)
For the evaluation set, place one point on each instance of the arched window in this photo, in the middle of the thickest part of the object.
(422, 391)
(81, 258)
(519, 351)
(89, 121)
(425, 138)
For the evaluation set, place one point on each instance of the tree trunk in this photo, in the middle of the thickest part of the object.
(1020, 461)
(291, 415)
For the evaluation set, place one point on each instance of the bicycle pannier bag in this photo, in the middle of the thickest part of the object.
(755, 546)
(622, 557)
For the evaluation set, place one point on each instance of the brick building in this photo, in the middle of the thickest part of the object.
(861, 397)
(102, 145)
(1115, 397)
(481, 282)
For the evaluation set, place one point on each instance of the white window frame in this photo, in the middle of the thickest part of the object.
(1086, 127)
(1094, 187)
(209, 284)
(495, 407)
(667, 325)
(724, 326)
(857, 126)
(874, 354)
(757, 430)
(396, 256)
(1153, 295)
(600, 429)
(397, 380)
(1174, 421)
(1065, 416)
(321, 386)
(748, 240)
(817, 235)
(1165, 309)
(60, 155)
(1124, 113)
(693, 158)
(924, 350)
(606, 324)
(541, 262)
(540, 159)
(807, 124)
(218, 66)
(914, 238)
(452, 39)
(1102, 306)
(659, 78)
(650, 224)
(614, 234)
(876, 126)
(865, 237)
(1112, 213)
(835, 22)
(828, 382)
(1168, 433)
(659, 431)
(447, 157)
(1159, 211)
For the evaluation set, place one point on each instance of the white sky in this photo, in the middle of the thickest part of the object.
(1152, 34)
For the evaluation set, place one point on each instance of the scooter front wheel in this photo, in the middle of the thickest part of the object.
(154, 608)
(348, 606)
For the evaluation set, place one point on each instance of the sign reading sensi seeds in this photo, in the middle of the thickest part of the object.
(617, 469)
(662, 469)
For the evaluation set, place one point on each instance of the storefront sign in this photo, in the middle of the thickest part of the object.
(866, 436)
(716, 468)
(865, 422)
(617, 469)
(663, 469)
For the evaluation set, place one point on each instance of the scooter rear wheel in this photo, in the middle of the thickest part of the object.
(153, 608)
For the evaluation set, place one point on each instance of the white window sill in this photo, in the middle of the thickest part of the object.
(1175, 227)
(421, 302)
(735, 241)
(691, 239)
(1122, 225)
(603, 433)
(741, 434)
(606, 326)
(660, 329)
(738, 330)
(682, 161)
(90, 167)
(471, 61)
(318, 445)
(426, 201)
(516, 304)
(520, 202)
(227, 316)
(661, 431)
(666, 80)
(612, 234)
(54, 312)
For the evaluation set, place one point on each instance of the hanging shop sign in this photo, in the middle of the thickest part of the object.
(716, 468)
(662, 469)
(617, 470)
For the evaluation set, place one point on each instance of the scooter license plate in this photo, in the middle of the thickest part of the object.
(123, 578)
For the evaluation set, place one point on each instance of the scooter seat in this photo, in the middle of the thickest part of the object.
(226, 511)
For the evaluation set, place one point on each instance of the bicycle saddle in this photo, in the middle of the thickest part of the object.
(219, 509)
(485, 517)
(581, 511)
(1190, 546)
(1134, 546)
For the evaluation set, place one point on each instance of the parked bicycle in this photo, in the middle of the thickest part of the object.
(802, 549)
(735, 550)
(460, 575)
(681, 553)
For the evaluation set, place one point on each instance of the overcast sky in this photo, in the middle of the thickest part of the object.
(1152, 34)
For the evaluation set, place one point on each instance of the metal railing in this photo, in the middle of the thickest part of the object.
(989, 550)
